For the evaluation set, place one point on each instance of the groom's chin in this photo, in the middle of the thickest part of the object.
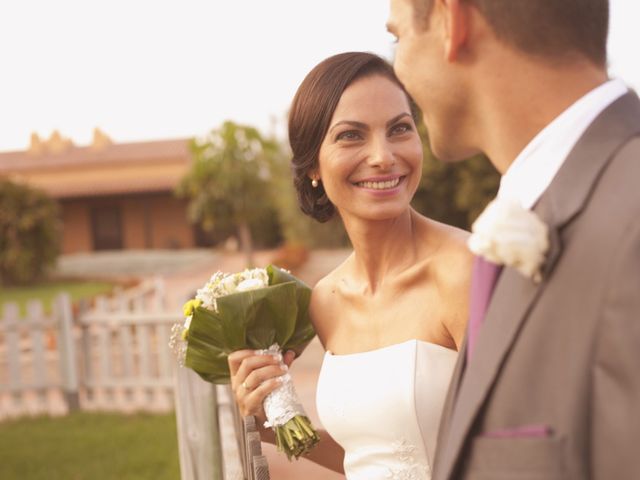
(449, 154)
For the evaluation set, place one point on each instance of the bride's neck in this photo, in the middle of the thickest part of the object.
(382, 248)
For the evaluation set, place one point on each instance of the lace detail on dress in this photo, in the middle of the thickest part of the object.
(410, 469)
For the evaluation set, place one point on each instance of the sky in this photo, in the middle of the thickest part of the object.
(145, 70)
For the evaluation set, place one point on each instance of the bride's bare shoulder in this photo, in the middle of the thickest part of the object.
(442, 242)
(450, 267)
(324, 306)
(450, 258)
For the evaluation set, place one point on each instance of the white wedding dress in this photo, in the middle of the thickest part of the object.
(384, 406)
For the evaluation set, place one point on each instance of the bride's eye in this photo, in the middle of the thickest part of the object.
(401, 128)
(349, 135)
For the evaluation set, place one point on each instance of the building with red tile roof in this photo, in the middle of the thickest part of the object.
(112, 196)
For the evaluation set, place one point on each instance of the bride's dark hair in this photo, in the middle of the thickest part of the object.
(311, 112)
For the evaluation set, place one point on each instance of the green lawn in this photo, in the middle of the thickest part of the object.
(90, 446)
(47, 292)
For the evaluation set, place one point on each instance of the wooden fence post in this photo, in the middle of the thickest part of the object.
(231, 437)
(36, 318)
(12, 345)
(257, 466)
(68, 359)
(198, 430)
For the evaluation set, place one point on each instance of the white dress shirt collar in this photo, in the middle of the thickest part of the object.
(533, 170)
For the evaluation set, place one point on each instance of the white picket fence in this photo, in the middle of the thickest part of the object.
(113, 356)
(33, 374)
(125, 361)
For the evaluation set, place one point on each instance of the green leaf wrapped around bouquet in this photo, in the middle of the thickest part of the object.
(255, 319)
(303, 332)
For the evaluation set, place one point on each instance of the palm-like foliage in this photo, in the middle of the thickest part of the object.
(229, 182)
(29, 233)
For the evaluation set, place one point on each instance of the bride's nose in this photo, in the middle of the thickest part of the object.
(381, 154)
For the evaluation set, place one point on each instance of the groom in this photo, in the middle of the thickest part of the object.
(551, 389)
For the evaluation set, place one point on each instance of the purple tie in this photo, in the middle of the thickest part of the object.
(483, 279)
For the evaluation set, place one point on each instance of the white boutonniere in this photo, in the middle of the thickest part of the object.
(508, 234)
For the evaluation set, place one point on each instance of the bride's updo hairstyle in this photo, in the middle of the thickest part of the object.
(311, 112)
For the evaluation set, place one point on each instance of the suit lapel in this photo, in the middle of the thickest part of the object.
(515, 295)
(452, 393)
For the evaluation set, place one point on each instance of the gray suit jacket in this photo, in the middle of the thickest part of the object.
(553, 391)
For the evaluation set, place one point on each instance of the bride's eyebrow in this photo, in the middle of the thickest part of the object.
(364, 126)
(352, 123)
(398, 117)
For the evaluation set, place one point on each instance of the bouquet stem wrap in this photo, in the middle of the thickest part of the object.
(286, 416)
(261, 309)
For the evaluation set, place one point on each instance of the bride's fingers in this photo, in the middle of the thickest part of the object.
(256, 377)
(254, 362)
(235, 359)
(252, 404)
(289, 357)
(248, 365)
(259, 375)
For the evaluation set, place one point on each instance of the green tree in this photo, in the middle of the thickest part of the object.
(29, 233)
(228, 185)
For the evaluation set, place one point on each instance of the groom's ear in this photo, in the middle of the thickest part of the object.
(456, 27)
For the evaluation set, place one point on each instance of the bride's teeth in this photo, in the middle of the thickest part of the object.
(380, 185)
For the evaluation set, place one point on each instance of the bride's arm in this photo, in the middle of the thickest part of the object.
(253, 377)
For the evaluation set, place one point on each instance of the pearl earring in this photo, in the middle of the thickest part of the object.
(314, 183)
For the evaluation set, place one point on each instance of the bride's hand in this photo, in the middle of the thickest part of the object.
(253, 377)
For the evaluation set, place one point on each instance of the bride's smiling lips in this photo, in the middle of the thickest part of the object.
(380, 185)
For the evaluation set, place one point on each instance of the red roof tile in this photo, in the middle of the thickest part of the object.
(114, 154)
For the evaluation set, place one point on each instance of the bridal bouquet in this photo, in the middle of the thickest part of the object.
(265, 309)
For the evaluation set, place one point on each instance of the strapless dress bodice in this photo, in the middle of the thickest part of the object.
(384, 406)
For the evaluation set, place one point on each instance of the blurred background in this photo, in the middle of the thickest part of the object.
(122, 127)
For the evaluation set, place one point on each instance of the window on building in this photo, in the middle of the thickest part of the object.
(106, 224)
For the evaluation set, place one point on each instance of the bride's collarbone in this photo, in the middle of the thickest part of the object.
(402, 319)
(376, 324)
(405, 285)
(389, 302)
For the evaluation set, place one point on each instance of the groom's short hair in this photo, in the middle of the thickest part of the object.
(546, 28)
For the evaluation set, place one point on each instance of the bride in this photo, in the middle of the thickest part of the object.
(391, 317)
